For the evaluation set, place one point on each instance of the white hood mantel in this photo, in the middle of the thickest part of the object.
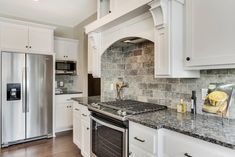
(160, 21)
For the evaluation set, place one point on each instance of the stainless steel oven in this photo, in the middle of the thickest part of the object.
(64, 67)
(109, 137)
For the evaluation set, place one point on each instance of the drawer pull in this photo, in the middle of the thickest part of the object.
(186, 154)
(76, 109)
(84, 115)
(136, 138)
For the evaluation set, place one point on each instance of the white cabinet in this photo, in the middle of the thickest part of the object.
(66, 49)
(41, 40)
(14, 37)
(210, 34)
(77, 124)
(136, 152)
(64, 116)
(64, 112)
(169, 40)
(25, 38)
(81, 128)
(142, 141)
(173, 144)
(85, 145)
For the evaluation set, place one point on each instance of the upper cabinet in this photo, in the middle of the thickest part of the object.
(41, 40)
(104, 8)
(26, 38)
(14, 37)
(66, 49)
(210, 34)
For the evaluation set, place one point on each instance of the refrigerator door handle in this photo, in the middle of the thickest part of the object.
(23, 90)
(27, 91)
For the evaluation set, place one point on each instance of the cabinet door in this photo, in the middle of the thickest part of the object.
(138, 152)
(77, 125)
(210, 34)
(14, 37)
(172, 144)
(63, 117)
(60, 47)
(41, 40)
(72, 50)
(85, 145)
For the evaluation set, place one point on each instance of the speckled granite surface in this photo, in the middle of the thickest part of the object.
(87, 100)
(207, 128)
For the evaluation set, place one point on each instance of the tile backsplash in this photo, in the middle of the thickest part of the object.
(70, 82)
(135, 65)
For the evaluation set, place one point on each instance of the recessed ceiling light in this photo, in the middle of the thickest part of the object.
(35, 0)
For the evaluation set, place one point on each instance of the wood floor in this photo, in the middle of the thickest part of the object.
(61, 146)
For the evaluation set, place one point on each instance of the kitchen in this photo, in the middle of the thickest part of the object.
(160, 84)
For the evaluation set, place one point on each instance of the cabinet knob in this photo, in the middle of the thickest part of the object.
(140, 140)
(30, 47)
(187, 155)
(26, 46)
(188, 59)
(87, 128)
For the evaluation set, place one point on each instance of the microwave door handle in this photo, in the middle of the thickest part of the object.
(108, 125)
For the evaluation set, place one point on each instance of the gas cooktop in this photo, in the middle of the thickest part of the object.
(122, 109)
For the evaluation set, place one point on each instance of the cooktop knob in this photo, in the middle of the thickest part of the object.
(95, 105)
(124, 113)
(119, 112)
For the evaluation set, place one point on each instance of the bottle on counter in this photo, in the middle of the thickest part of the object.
(193, 103)
(181, 107)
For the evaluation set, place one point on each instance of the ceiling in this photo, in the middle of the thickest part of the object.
(58, 12)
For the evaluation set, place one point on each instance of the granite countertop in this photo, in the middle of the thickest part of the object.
(87, 100)
(68, 92)
(211, 129)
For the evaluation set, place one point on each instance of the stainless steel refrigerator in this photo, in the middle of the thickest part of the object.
(26, 97)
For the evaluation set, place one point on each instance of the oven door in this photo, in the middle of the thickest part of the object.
(107, 139)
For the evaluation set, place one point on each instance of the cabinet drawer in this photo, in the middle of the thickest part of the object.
(143, 137)
(173, 144)
(85, 113)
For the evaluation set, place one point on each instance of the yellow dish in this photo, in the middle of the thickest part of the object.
(217, 98)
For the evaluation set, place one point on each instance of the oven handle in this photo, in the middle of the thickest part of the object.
(108, 125)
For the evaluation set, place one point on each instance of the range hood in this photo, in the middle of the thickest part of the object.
(159, 21)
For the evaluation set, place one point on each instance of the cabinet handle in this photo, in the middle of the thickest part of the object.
(87, 128)
(188, 59)
(130, 153)
(84, 115)
(186, 154)
(76, 109)
(136, 138)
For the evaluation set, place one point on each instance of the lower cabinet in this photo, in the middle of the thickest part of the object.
(64, 112)
(81, 128)
(85, 129)
(137, 152)
(173, 144)
(64, 119)
(147, 142)
(142, 141)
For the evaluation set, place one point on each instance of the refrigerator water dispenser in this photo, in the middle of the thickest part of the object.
(13, 91)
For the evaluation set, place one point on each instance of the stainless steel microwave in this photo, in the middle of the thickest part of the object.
(66, 67)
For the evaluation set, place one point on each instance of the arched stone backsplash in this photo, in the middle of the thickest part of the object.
(135, 64)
